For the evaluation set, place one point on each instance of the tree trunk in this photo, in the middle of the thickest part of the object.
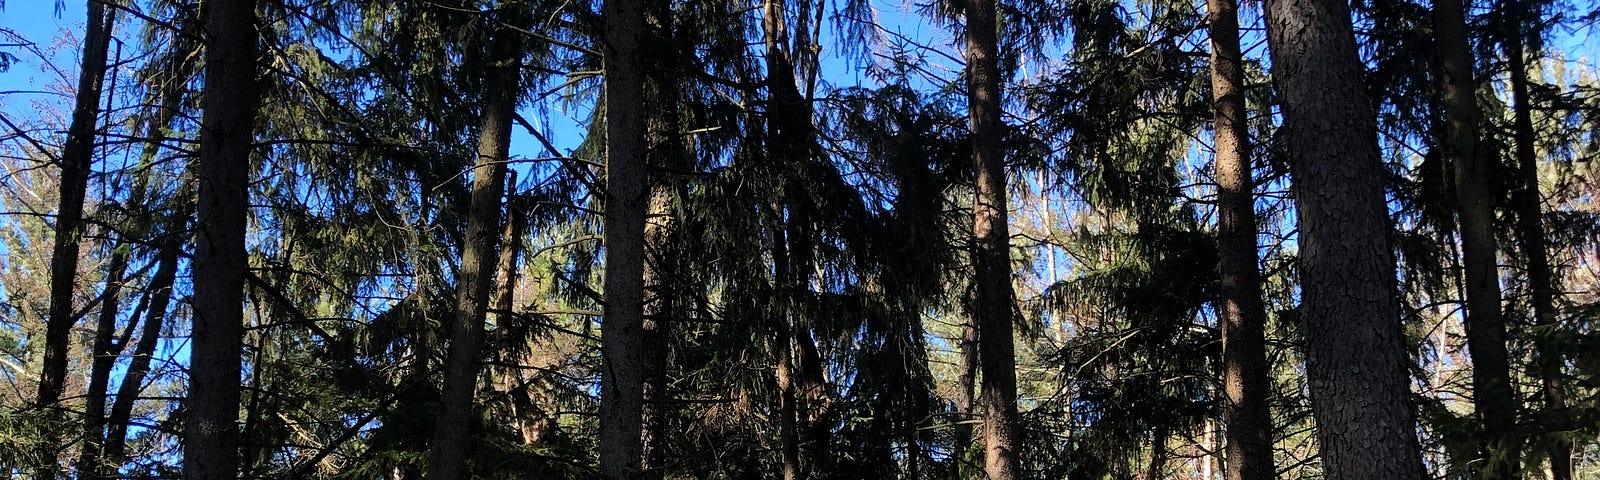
(1158, 455)
(1493, 396)
(626, 202)
(966, 395)
(1529, 205)
(657, 324)
(160, 289)
(992, 251)
(665, 150)
(211, 431)
(787, 125)
(77, 159)
(105, 356)
(1242, 317)
(509, 381)
(1356, 361)
(447, 457)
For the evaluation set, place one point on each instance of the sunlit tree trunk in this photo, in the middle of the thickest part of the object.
(1241, 317)
(508, 380)
(1356, 362)
(991, 246)
(666, 151)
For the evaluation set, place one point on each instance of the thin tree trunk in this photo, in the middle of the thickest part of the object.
(626, 202)
(160, 289)
(1356, 362)
(665, 150)
(452, 439)
(788, 425)
(1528, 203)
(1493, 396)
(510, 381)
(105, 356)
(992, 252)
(966, 395)
(786, 130)
(211, 431)
(1158, 455)
(658, 312)
(1242, 317)
(77, 159)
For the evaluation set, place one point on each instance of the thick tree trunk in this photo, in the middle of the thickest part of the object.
(160, 291)
(211, 431)
(992, 246)
(1493, 395)
(1356, 361)
(1242, 317)
(1529, 205)
(627, 200)
(447, 457)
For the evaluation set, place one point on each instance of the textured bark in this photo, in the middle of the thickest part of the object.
(160, 289)
(1493, 395)
(657, 324)
(666, 150)
(211, 431)
(1529, 205)
(447, 457)
(622, 335)
(77, 159)
(1242, 317)
(1356, 363)
(992, 248)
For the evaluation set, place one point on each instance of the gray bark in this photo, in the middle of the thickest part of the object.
(1356, 362)
(626, 201)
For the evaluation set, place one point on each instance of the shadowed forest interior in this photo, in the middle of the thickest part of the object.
(800, 239)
